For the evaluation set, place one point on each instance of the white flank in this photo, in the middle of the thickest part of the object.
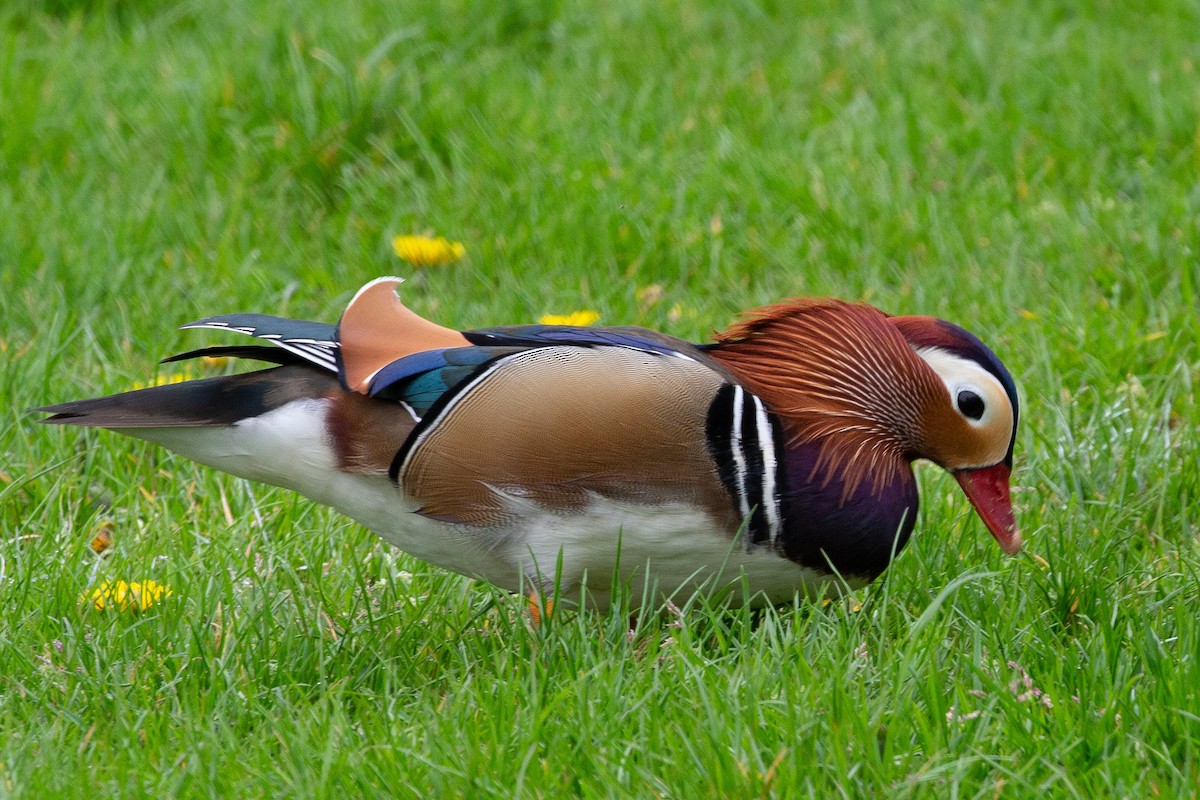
(289, 447)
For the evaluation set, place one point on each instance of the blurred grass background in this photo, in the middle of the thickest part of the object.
(1026, 169)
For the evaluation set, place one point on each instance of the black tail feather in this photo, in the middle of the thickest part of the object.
(256, 352)
(207, 402)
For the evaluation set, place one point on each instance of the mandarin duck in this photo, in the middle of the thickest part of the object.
(553, 458)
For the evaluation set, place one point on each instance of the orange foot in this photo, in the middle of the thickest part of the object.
(536, 606)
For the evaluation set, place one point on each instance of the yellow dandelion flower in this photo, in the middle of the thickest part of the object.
(426, 251)
(132, 596)
(576, 318)
(162, 380)
(214, 362)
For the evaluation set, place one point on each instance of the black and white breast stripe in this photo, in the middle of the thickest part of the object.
(743, 440)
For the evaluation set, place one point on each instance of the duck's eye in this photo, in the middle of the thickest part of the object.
(970, 404)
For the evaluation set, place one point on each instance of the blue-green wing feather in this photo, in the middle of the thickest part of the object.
(421, 379)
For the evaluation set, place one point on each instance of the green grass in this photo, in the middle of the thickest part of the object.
(1027, 169)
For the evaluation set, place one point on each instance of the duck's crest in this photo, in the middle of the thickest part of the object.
(839, 374)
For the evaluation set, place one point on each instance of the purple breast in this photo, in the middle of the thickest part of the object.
(855, 534)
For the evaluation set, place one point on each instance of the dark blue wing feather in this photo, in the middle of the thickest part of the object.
(315, 342)
(544, 335)
(267, 326)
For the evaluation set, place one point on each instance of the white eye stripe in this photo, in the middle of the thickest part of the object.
(960, 374)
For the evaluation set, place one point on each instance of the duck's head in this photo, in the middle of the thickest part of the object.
(879, 391)
(973, 430)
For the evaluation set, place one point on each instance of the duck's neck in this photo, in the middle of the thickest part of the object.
(851, 395)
